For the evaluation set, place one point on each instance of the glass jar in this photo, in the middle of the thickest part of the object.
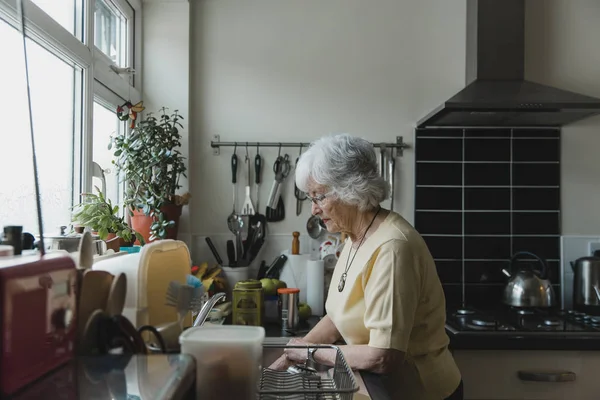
(248, 303)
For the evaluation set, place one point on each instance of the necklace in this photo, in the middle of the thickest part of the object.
(349, 262)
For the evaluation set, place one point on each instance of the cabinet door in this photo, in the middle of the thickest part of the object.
(531, 375)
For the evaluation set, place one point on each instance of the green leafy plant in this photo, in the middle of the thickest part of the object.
(99, 214)
(150, 161)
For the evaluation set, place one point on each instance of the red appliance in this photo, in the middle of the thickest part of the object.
(37, 315)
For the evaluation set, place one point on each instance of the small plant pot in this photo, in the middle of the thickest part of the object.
(141, 223)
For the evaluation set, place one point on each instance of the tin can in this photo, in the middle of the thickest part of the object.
(288, 308)
(248, 303)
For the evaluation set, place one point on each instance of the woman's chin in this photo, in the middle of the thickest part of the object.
(331, 227)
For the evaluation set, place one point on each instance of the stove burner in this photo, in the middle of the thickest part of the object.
(506, 328)
(464, 311)
(551, 322)
(480, 322)
(525, 312)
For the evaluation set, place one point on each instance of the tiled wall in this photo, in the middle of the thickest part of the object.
(483, 194)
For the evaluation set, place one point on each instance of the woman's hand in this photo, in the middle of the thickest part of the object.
(297, 355)
(281, 364)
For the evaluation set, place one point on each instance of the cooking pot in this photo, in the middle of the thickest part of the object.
(70, 242)
(586, 284)
(528, 287)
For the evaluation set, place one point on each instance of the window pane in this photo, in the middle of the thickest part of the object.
(54, 86)
(106, 124)
(63, 11)
(110, 34)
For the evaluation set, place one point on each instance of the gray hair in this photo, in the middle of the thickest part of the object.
(347, 165)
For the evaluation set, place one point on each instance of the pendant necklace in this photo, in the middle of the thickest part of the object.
(342, 283)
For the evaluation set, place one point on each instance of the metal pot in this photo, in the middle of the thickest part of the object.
(70, 242)
(586, 283)
(527, 287)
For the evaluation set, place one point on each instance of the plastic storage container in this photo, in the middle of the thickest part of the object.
(227, 358)
(248, 303)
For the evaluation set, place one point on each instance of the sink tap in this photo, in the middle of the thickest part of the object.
(206, 308)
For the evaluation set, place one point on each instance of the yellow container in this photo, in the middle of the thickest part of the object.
(248, 303)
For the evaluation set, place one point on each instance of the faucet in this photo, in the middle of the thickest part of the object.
(207, 307)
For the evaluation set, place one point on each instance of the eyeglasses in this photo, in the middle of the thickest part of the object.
(317, 199)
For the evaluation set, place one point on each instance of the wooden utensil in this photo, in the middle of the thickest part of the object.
(116, 295)
(94, 292)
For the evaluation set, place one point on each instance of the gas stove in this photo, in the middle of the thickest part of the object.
(510, 321)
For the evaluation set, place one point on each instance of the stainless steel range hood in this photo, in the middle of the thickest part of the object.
(496, 92)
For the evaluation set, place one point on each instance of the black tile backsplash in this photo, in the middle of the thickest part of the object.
(483, 194)
(434, 173)
(480, 174)
(487, 149)
(487, 198)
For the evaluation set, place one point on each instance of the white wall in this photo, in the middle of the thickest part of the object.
(563, 49)
(166, 59)
(272, 70)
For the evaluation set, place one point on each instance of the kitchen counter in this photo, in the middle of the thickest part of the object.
(517, 341)
(130, 377)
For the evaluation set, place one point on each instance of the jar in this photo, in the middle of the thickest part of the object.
(288, 308)
(248, 303)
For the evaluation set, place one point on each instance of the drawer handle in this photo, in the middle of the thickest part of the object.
(547, 376)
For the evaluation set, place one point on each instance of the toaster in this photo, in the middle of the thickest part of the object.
(38, 308)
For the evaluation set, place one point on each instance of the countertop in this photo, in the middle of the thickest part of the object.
(131, 377)
(516, 341)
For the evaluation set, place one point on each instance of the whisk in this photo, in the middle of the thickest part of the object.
(184, 298)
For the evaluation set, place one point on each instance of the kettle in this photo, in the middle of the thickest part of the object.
(586, 284)
(527, 287)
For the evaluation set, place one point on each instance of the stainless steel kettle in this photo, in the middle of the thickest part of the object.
(586, 284)
(527, 287)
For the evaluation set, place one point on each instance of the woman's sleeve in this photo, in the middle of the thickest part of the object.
(391, 289)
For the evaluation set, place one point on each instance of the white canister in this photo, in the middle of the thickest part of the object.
(228, 360)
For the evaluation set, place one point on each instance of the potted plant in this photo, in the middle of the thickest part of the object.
(150, 162)
(98, 213)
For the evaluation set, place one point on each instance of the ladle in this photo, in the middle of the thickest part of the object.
(315, 227)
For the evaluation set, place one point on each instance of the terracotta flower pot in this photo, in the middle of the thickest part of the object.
(141, 223)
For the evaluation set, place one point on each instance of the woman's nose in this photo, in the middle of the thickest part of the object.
(315, 209)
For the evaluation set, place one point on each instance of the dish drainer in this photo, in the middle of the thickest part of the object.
(337, 382)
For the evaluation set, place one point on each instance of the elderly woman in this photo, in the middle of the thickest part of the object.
(385, 300)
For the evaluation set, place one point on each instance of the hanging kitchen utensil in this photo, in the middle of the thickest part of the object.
(300, 195)
(275, 205)
(247, 208)
(391, 164)
(315, 227)
(382, 157)
(257, 177)
(235, 223)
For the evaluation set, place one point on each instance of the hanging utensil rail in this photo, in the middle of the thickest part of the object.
(216, 144)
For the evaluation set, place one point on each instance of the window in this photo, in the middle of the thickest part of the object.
(71, 46)
(65, 12)
(106, 124)
(111, 32)
(53, 103)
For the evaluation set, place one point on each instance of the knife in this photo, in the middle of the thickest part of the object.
(214, 251)
(275, 268)
(231, 253)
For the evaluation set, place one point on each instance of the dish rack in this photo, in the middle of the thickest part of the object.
(335, 382)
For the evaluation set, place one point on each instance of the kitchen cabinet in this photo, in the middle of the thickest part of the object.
(495, 374)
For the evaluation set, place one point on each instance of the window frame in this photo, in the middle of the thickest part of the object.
(99, 80)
